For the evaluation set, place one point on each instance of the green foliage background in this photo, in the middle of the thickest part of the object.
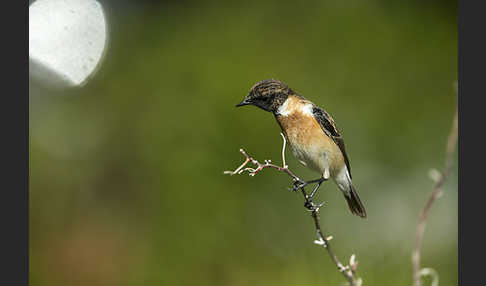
(126, 173)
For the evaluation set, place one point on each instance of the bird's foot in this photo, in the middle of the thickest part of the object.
(298, 184)
(311, 206)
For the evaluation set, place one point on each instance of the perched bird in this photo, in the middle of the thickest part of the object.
(312, 136)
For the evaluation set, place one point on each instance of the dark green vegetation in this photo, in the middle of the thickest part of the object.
(127, 184)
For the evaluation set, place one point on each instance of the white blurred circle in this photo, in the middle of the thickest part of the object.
(67, 40)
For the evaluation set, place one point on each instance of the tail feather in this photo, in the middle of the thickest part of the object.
(354, 203)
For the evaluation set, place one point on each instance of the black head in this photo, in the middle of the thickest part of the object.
(268, 94)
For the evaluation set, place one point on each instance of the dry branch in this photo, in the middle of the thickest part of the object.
(348, 271)
(440, 179)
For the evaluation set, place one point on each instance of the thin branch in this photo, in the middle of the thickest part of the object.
(440, 179)
(348, 271)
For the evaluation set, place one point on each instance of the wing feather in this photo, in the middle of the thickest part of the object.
(329, 127)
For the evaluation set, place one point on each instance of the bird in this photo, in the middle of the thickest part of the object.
(312, 136)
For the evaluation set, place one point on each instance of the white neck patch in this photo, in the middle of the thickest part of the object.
(284, 109)
(291, 105)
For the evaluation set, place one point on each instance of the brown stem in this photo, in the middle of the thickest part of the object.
(451, 144)
(347, 271)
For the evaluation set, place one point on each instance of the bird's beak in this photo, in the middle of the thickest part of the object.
(244, 102)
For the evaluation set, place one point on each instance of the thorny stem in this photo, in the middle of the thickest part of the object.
(451, 144)
(348, 271)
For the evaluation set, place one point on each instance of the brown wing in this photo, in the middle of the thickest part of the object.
(329, 127)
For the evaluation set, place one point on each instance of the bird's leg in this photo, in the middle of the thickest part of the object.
(319, 182)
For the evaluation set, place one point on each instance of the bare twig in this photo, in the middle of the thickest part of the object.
(348, 271)
(439, 179)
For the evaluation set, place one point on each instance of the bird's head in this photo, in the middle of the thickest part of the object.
(268, 95)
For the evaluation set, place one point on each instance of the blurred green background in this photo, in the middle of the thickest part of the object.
(126, 173)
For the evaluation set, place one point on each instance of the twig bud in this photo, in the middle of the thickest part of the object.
(353, 263)
(435, 175)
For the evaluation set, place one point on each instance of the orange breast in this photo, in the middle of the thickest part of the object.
(308, 141)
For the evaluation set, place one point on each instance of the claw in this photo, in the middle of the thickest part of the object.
(313, 207)
(319, 206)
(298, 185)
(309, 205)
